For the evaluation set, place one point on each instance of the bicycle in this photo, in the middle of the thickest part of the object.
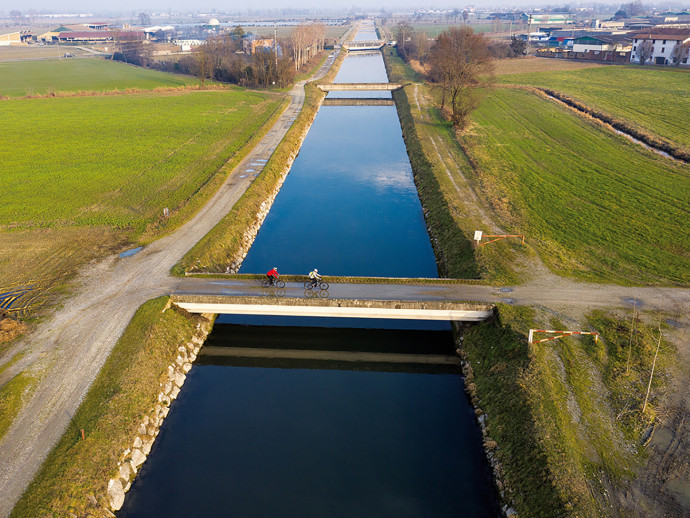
(310, 285)
(277, 283)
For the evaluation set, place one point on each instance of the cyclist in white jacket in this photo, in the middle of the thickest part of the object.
(314, 276)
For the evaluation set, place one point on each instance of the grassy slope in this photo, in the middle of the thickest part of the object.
(649, 98)
(439, 165)
(74, 75)
(595, 205)
(124, 391)
(563, 418)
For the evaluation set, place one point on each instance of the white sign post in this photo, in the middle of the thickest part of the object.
(477, 235)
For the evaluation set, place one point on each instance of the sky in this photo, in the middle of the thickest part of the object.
(128, 6)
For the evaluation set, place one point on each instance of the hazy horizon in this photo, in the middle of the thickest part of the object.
(342, 6)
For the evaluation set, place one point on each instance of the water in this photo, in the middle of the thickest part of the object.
(265, 438)
(298, 440)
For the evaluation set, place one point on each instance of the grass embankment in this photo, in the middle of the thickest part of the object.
(124, 391)
(439, 167)
(649, 100)
(563, 418)
(81, 75)
(221, 246)
(12, 395)
(595, 205)
(83, 180)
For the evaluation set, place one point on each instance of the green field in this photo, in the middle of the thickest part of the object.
(432, 30)
(651, 98)
(18, 79)
(118, 160)
(594, 204)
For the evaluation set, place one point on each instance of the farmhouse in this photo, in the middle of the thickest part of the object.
(661, 46)
(87, 33)
(10, 38)
(601, 43)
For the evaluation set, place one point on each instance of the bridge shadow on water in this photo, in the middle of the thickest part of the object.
(331, 348)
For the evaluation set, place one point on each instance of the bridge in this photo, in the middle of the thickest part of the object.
(243, 296)
(364, 45)
(359, 87)
(357, 101)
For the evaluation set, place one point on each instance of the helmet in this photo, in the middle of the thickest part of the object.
(275, 267)
(315, 270)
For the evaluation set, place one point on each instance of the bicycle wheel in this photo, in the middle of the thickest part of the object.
(265, 283)
(308, 285)
(323, 285)
(280, 283)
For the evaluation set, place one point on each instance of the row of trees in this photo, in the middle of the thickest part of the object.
(224, 58)
(306, 41)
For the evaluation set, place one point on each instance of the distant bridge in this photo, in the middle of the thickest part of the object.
(359, 87)
(357, 101)
(364, 45)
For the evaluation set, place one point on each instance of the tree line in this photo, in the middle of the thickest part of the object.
(232, 58)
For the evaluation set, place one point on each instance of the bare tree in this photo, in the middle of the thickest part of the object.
(644, 51)
(144, 19)
(680, 51)
(403, 32)
(16, 16)
(458, 58)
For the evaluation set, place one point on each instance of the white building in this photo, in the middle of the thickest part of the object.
(661, 46)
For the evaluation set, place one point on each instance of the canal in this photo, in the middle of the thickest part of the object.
(310, 438)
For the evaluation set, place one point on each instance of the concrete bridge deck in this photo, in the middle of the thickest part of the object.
(551, 292)
(359, 87)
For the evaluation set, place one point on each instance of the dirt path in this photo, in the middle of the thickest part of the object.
(73, 345)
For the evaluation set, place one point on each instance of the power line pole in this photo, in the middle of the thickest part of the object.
(275, 44)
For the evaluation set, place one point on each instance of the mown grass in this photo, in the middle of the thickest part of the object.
(654, 99)
(77, 194)
(18, 79)
(595, 205)
(564, 426)
(124, 391)
(219, 248)
(70, 168)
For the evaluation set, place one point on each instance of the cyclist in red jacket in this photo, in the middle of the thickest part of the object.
(272, 275)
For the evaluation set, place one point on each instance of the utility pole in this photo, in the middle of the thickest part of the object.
(275, 44)
(529, 32)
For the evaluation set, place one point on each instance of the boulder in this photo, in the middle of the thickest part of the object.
(179, 379)
(186, 367)
(175, 391)
(137, 443)
(138, 458)
(147, 444)
(125, 471)
(116, 494)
